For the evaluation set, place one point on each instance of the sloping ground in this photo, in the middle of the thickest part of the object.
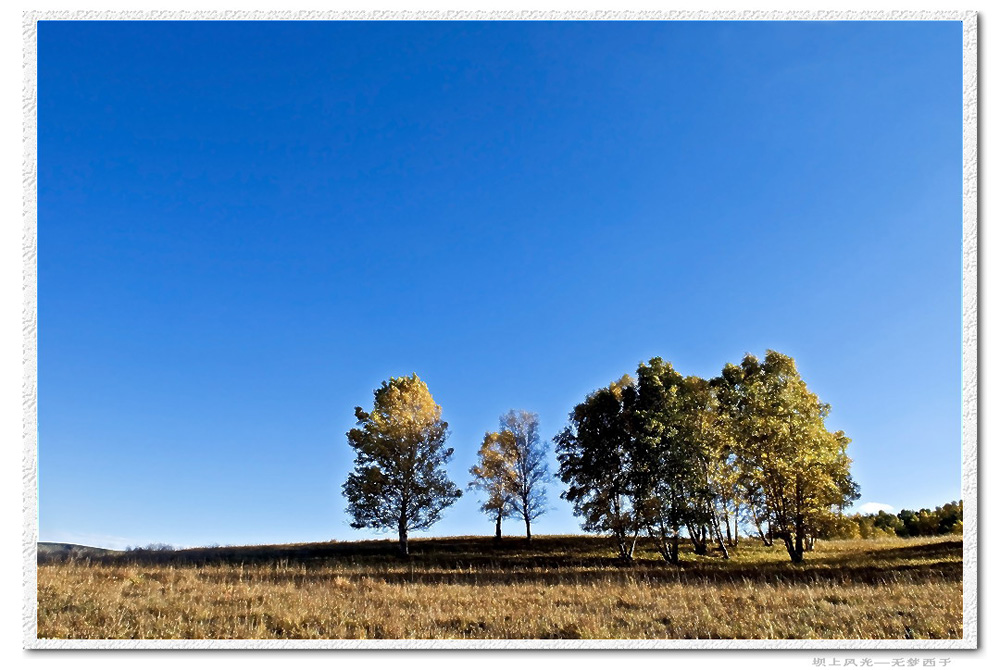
(56, 551)
(552, 551)
(554, 587)
(554, 557)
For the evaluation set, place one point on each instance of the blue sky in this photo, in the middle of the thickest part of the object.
(243, 228)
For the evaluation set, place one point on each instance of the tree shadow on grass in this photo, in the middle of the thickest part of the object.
(934, 550)
(545, 560)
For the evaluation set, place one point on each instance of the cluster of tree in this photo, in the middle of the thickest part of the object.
(153, 546)
(667, 456)
(511, 471)
(399, 479)
(662, 456)
(939, 521)
(942, 520)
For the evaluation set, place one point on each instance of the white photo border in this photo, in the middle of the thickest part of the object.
(970, 320)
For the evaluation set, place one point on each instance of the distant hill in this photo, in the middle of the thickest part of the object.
(63, 550)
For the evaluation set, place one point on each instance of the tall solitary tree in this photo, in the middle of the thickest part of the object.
(399, 479)
(528, 471)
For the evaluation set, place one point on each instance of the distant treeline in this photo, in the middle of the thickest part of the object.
(907, 523)
(154, 546)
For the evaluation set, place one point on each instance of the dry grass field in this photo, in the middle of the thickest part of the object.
(556, 587)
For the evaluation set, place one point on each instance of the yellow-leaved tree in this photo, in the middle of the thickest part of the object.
(399, 479)
(493, 474)
(512, 470)
(784, 453)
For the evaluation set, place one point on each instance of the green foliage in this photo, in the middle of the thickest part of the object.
(887, 523)
(672, 422)
(399, 479)
(673, 455)
(596, 453)
(943, 520)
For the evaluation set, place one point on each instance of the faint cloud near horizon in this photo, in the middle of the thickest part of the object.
(873, 508)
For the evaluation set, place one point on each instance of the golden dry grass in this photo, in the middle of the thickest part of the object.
(556, 587)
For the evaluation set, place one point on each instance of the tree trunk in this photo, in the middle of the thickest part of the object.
(767, 538)
(794, 547)
(404, 546)
(722, 547)
(499, 534)
(717, 531)
(764, 537)
(799, 549)
(800, 536)
(527, 528)
(623, 554)
(697, 534)
(798, 528)
(625, 548)
(794, 541)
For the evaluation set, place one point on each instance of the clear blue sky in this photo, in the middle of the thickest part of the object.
(243, 228)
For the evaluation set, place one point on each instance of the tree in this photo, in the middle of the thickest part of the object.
(676, 450)
(757, 512)
(666, 478)
(492, 475)
(527, 470)
(889, 524)
(714, 478)
(950, 517)
(596, 459)
(943, 520)
(784, 453)
(399, 479)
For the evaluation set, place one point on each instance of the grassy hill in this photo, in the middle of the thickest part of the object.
(469, 587)
(553, 552)
(54, 551)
